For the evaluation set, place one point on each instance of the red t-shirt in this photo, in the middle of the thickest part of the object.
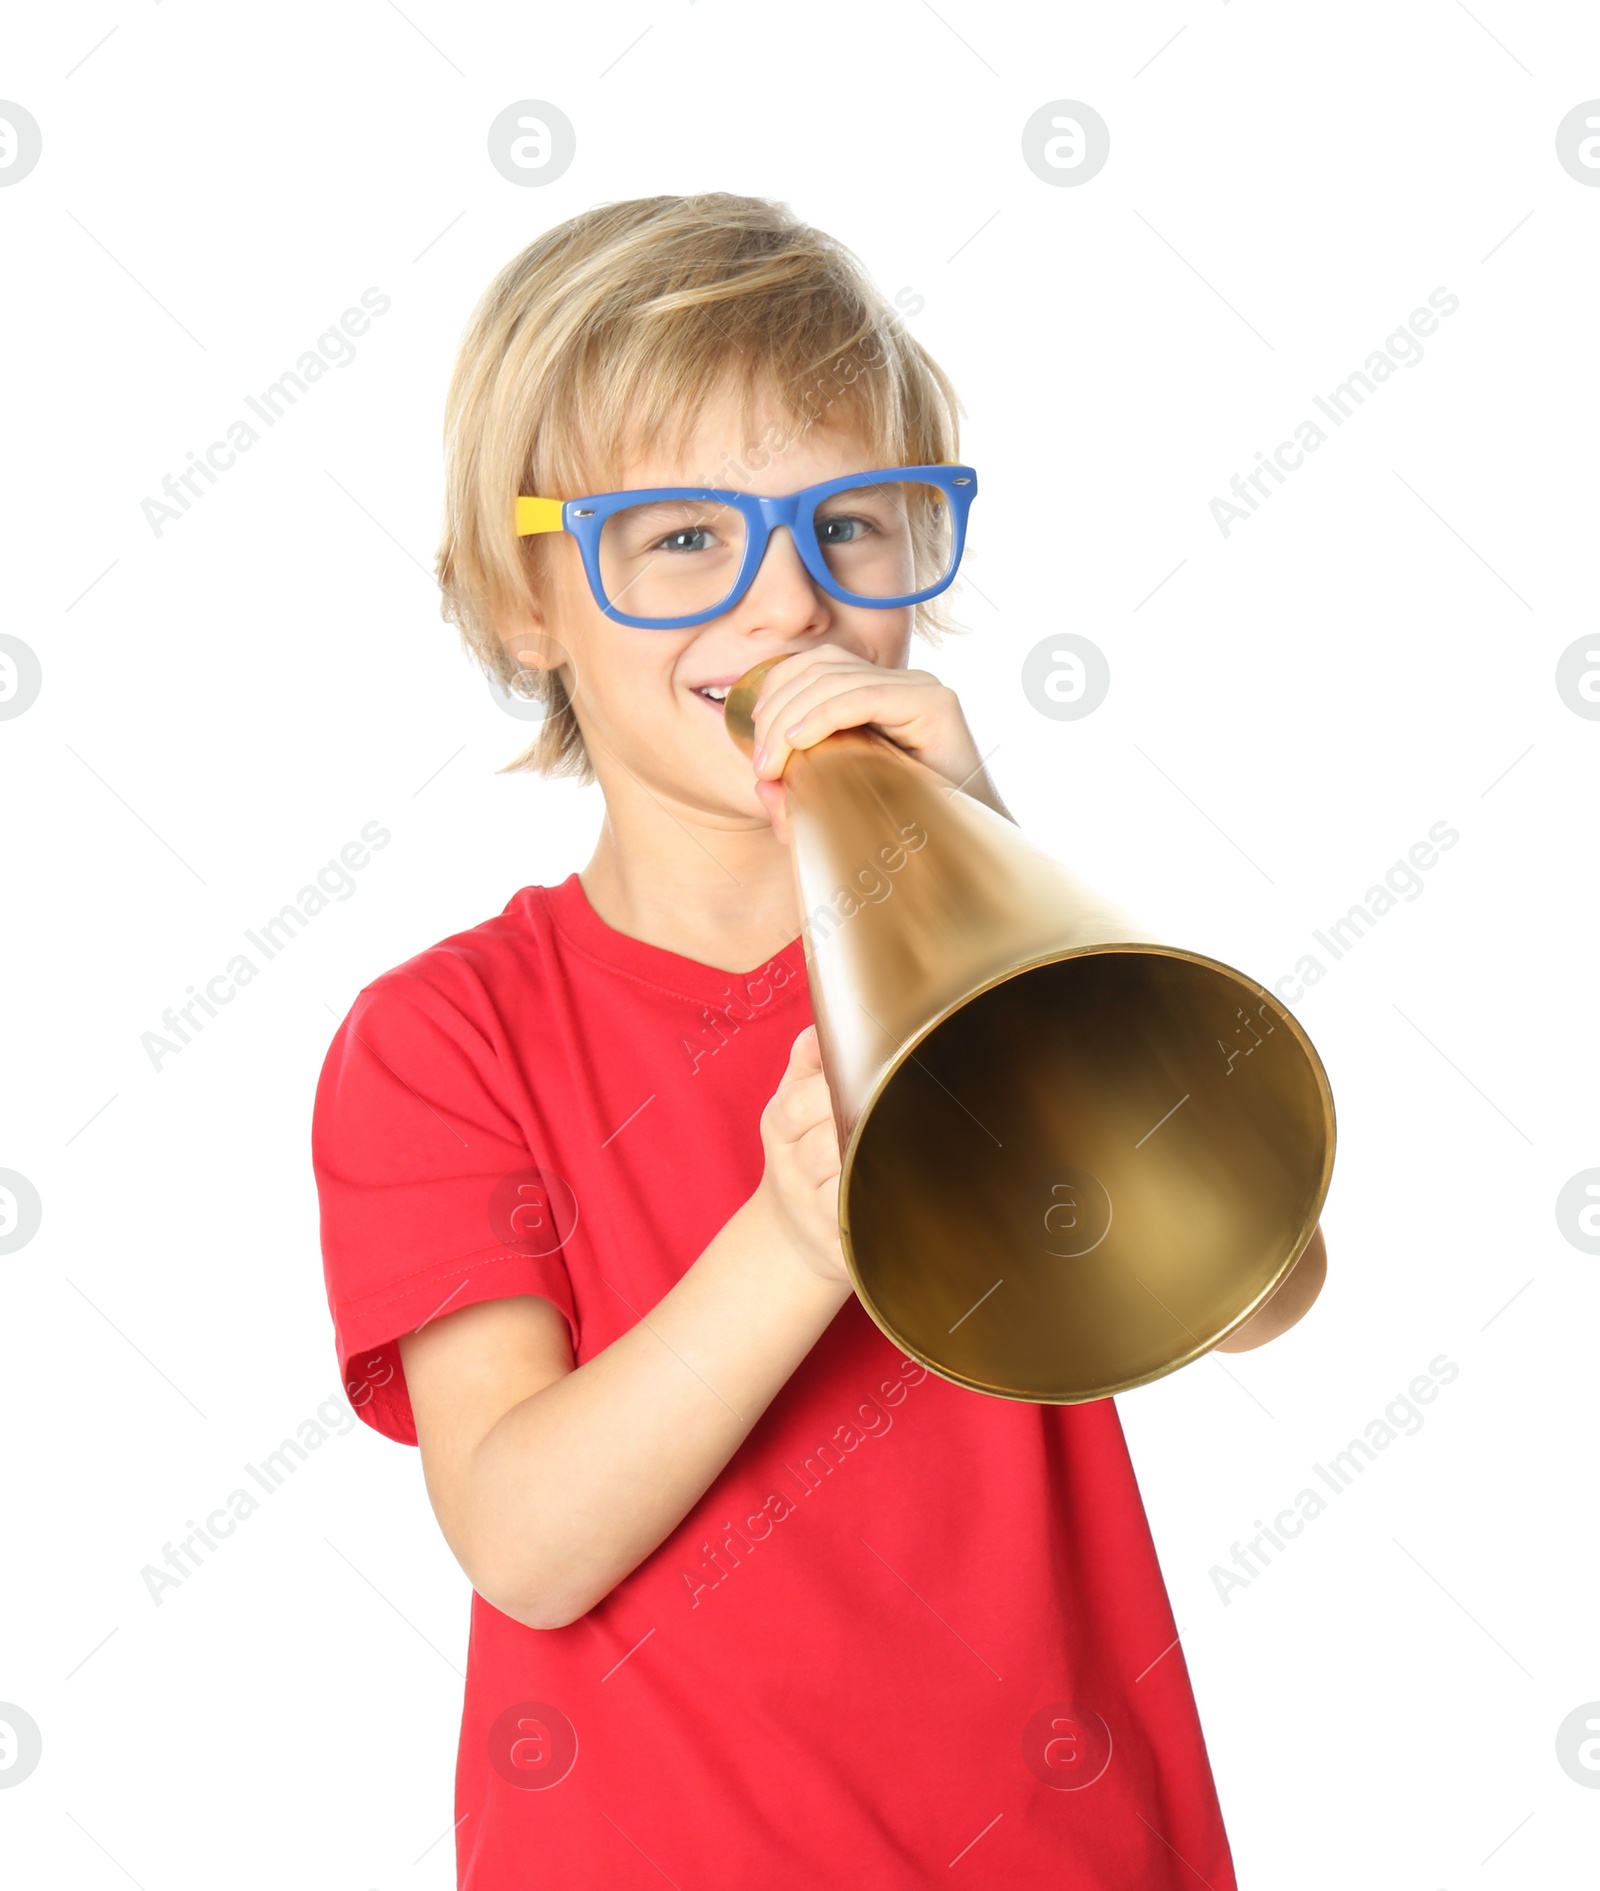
(911, 1635)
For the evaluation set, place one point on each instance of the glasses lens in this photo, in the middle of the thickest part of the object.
(671, 558)
(887, 539)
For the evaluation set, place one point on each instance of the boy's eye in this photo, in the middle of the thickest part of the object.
(842, 529)
(686, 538)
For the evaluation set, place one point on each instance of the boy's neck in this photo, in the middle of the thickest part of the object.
(722, 897)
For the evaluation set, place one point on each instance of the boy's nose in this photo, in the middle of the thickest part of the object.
(782, 595)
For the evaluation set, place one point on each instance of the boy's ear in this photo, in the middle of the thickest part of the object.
(535, 651)
(529, 644)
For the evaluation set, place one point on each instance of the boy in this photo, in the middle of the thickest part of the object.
(758, 1600)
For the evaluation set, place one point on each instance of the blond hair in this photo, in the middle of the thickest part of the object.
(613, 330)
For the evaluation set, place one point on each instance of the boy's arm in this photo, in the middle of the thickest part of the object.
(1288, 1302)
(551, 1482)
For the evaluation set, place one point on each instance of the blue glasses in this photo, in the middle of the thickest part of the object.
(670, 557)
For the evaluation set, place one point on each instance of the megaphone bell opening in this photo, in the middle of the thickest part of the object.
(1087, 1174)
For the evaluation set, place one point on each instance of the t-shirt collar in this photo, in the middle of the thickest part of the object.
(569, 908)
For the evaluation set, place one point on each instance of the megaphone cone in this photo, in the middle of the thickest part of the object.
(1074, 1157)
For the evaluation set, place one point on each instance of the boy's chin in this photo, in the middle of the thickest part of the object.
(734, 796)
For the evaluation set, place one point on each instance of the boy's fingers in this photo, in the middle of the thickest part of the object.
(892, 689)
(774, 798)
(818, 714)
(788, 675)
(802, 1099)
(784, 702)
(817, 1152)
(801, 1105)
(805, 1055)
(776, 714)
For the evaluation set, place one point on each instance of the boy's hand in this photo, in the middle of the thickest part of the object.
(809, 696)
(801, 1180)
(1288, 1302)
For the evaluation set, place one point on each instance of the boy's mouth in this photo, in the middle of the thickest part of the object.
(714, 692)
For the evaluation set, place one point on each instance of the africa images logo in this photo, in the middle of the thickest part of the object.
(1402, 347)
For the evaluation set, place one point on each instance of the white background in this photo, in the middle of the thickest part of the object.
(225, 705)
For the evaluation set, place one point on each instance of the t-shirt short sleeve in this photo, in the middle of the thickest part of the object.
(430, 1197)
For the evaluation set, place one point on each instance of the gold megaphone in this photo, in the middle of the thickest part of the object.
(1074, 1158)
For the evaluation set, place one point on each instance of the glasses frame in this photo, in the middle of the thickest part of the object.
(585, 519)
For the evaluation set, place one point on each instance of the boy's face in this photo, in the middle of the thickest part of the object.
(638, 693)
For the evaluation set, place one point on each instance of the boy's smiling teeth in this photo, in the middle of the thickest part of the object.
(714, 692)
